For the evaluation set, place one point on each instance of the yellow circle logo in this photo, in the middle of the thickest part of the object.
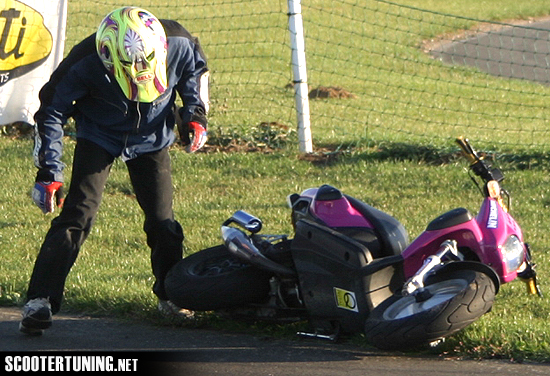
(25, 42)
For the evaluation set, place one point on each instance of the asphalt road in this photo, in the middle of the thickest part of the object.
(512, 52)
(190, 352)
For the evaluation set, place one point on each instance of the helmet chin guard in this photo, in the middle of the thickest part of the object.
(132, 45)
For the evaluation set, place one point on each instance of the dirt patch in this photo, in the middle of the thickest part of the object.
(322, 156)
(330, 92)
(235, 146)
(18, 130)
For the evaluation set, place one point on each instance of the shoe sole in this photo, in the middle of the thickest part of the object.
(30, 331)
(33, 326)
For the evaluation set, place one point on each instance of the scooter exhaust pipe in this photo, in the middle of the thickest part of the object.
(242, 247)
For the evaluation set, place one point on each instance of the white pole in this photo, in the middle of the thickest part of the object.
(296, 28)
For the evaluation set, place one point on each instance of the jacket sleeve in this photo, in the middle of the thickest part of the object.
(193, 89)
(193, 86)
(56, 106)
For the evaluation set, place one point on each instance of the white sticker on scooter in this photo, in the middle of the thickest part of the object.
(346, 299)
(492, 221)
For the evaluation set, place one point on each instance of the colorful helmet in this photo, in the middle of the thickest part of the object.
(132, 45)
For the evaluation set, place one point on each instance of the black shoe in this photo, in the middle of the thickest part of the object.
(37, 316)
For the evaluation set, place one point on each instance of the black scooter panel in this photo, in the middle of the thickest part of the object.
(329, 266)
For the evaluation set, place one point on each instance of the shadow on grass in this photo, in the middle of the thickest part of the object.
(330, 154)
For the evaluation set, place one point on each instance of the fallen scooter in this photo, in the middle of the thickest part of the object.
(350, 267)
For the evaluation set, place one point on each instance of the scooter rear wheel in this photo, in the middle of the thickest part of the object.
(212, 278)
(457, 299)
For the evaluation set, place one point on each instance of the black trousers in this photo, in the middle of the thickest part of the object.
(151, 179)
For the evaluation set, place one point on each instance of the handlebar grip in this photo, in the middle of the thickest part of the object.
(467, 149)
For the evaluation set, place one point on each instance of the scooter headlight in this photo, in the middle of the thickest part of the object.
(513, 252)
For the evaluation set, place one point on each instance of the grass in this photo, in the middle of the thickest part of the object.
(413, 181)
(112, 275)
(372, 49)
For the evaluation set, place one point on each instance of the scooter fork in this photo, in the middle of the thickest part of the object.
(415, 284)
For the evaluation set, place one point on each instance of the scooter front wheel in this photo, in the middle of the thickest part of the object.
(455, 300)
(212, 278)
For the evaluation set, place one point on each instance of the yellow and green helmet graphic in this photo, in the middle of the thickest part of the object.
(132, 45)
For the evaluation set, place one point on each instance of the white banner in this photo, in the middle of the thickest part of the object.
(31, 46)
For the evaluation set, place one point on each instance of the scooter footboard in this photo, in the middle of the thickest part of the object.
(336, 279)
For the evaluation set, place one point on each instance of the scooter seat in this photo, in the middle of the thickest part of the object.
(392, 234)
(451, 218)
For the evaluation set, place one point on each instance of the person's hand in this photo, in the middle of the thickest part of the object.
(47, 195)
(198, 137)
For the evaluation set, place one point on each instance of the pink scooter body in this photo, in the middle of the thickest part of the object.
(335, 213)
(484, 235)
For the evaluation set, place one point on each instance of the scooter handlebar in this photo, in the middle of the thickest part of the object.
(477, 164)
(467, 150)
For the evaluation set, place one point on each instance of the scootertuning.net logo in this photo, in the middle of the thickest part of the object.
(25, 42)
(69, 363)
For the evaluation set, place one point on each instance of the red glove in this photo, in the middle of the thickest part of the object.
(198, 137)
(46, 195)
